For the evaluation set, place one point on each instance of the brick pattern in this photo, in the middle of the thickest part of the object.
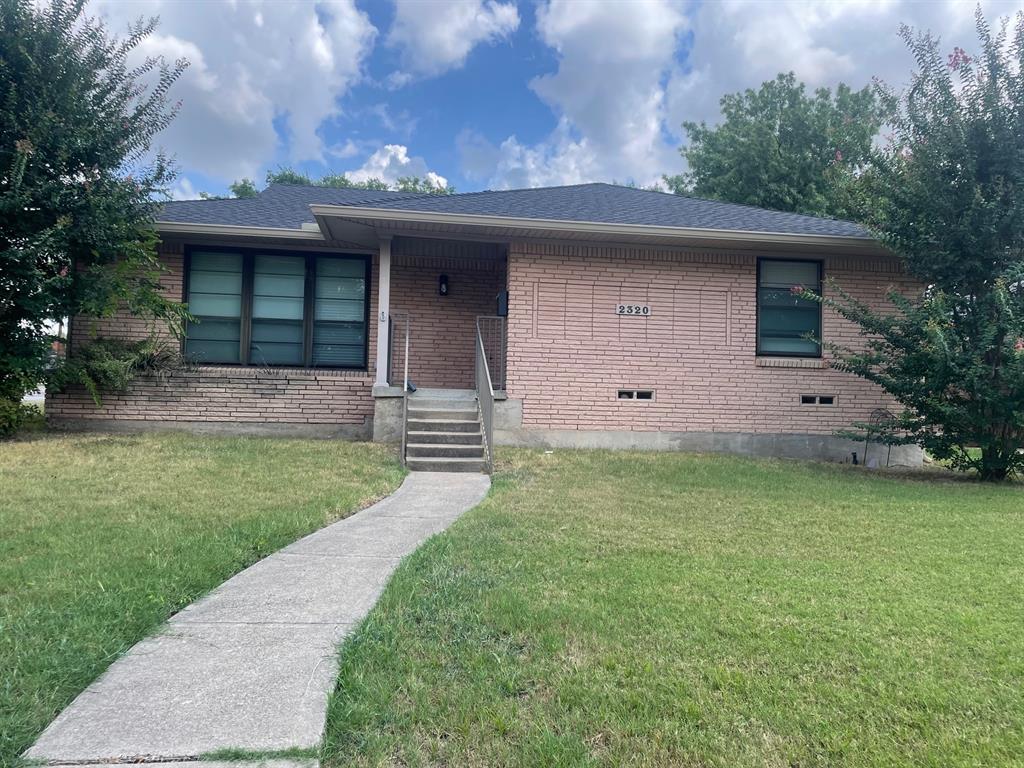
(131, 327)
(443, 328)
(219, 393)
(442, 350)
(569, 353)
(228, 395)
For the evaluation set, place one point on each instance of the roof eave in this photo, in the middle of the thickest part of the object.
(398, 217)
(230, 230)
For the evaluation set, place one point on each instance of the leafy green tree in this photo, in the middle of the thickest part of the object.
(947, 195)
(290, 176)
(79, 186)
(424, 186)
(781, 148)
(246, 188)
(240, 190)
(341, 181)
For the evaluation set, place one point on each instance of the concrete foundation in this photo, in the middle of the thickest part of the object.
(810, 447)
(228, 428)
(387, 415)
(386, 427)
(508, 414)
(509, 430)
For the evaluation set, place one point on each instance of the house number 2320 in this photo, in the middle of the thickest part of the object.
(632, 309)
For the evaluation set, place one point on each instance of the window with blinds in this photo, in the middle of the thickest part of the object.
(277, 309)
(339, 324)
(215, 301)
(787, 323)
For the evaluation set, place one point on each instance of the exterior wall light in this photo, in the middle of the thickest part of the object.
(442, 286)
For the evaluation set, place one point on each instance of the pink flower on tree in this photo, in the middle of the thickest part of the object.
(839, 155)
(1019, 346)
(958, 58)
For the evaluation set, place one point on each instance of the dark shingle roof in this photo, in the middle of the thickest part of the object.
(284, 206)
(288, 206)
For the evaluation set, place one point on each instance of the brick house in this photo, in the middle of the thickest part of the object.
(604, 316)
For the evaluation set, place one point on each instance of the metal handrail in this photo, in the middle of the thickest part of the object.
(405, 382)
(493, 330)
(485, 397)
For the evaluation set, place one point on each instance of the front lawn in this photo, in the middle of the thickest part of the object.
(104, 537)
(641, 609)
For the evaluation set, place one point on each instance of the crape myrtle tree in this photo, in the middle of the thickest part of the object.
(79, 183)
(946, 194)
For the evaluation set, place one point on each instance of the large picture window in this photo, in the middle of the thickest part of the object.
(788, 324)
(277, 309)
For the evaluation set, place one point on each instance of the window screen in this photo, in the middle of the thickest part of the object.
(339, 313)
(215, 300)
(278, 307)
(784, 319)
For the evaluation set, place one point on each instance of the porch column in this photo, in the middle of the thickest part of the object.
(383, 310)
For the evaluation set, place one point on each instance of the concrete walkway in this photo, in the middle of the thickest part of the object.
(251, 665)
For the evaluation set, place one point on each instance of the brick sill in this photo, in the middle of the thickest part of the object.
(790, 362)
(269, 372)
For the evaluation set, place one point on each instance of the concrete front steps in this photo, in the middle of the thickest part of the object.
(443, 432)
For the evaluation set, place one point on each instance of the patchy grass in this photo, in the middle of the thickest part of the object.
(104, 537)
(642, 609)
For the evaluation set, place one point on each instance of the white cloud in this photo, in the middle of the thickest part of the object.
(513, 165)
(625, 81)
(402, 123)
(253, 62)
(435, 36)
(344, 150)
(183, 189)
(398, 79)
(608, 95)
(391, 162)
(740, 44)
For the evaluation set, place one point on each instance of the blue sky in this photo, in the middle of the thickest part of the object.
(496, 93)
(489, 95)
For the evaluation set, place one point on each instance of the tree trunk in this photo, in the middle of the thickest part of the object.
(995, 464)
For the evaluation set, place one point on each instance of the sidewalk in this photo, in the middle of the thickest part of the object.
(251, 665)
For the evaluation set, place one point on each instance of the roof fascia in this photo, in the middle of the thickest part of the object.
(395, 216)
(227, 230)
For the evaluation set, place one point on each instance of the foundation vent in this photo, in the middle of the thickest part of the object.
(817, 399)
(636, 394)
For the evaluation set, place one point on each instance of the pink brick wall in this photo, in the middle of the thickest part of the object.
(283, 396)
(220, 393)
(126, 326)
(443, 328)
(443, 351)
(569, 353)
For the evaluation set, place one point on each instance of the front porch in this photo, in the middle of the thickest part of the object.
(437, 301)
(432, 296)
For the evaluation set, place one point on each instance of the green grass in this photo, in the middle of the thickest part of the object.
(640, 609)
(104, 537)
